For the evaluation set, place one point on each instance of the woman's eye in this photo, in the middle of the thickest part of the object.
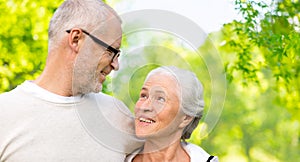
(161, 99)
(144, 96)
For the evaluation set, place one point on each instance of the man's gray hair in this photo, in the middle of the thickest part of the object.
(85, 14)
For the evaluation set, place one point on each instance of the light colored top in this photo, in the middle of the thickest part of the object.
(37, 125)
(196, 153)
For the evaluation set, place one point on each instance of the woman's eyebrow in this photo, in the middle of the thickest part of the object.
(144, 88)
(159, 91)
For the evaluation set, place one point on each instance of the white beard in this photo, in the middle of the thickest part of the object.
(85, 77)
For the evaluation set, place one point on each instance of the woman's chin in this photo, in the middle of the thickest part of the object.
(145, 135)
(142, 135)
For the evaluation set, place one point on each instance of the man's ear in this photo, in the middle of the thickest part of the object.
(186, 120)
(75, 39)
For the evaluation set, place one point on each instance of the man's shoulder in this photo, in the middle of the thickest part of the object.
(16, 93)
(103, 96)
(105, 99)
(12, 96)
(8, 94)
(5, 95)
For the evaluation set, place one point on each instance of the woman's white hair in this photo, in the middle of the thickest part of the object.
(190, 89)
(85, 14)
(190, 94)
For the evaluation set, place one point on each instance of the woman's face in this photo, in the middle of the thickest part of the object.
(157, 110)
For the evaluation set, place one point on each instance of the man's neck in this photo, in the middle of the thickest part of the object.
(54, 82)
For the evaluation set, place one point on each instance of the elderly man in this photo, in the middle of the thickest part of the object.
(60, 116)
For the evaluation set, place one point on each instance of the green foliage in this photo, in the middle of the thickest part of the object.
(261, 55)
(23, 40)
(273, 33)
(266, 42)
(260, 121)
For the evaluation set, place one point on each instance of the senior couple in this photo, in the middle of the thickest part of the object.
(39, 119)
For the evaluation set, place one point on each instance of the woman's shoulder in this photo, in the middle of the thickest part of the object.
(131, 156)
(196, 153)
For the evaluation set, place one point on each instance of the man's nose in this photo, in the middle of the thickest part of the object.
(115, 63)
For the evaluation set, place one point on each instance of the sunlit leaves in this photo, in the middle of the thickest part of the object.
(263, 50)
(267, 38)
(23, 39)
(261, 55)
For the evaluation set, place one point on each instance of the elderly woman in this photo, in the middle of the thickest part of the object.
(168, 110)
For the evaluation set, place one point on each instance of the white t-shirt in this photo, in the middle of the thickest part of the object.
(196, 153)
(37, 125)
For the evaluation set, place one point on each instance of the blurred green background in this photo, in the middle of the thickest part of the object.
(260, 53)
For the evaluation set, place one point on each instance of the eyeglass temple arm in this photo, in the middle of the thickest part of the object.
(98, 41)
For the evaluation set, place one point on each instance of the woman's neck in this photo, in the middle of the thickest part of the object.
(173, 152)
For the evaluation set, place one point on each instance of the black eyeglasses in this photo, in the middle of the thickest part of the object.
(100, 42)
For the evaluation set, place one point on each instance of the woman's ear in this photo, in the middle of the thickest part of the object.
(186, 120)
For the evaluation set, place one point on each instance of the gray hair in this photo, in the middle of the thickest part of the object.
(190, 91)
(86, 14)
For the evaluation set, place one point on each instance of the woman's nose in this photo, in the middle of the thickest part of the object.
(144, 106)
